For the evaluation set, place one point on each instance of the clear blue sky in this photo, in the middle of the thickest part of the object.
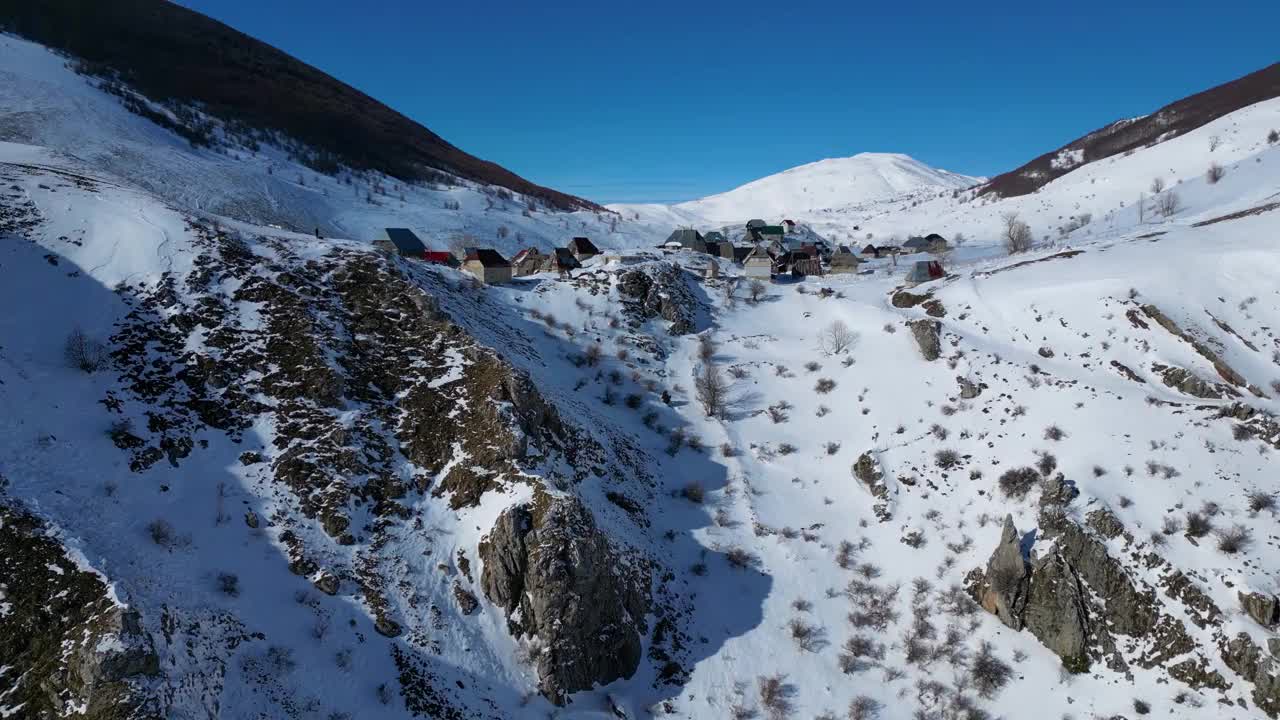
(660, 100)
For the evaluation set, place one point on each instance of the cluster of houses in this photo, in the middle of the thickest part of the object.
(769, 251)
(486, 264)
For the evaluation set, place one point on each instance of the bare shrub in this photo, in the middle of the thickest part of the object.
(938, 431)
(806, 636)
(946, 458)
(1198, 525)
(1235, 539)
(83, 352)
(864, 707)
(1047, 463)
(837, 337)
(1016, 234)
(776, 696)
(229, 584)
(591, 355)
(1259, 501)
(846, 553)
(1168, 204)
(778, 412)
(1215, 142)
(1053, 432)
(162, 533)
(786, 449)
(1273, 137)
(740, 558)
(813, 366)
(1016, 483)
(1215, 173)
(756, 290)
(832, 448)
(988, 673)
(890, 328)
(693, 492)
(1157, 185)
(706, 348)
(824, 386)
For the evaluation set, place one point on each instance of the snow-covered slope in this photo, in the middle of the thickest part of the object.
(44, 103)
(835, 182)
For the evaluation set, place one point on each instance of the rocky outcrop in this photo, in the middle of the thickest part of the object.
(1227, 372)
(560, 581)
(77, 651)
(1008, 578)
(1243, 655)
(1263, 608)
(1077, 599)
(867, 471)
(928, 336)
(662, 291)
(1189, 383)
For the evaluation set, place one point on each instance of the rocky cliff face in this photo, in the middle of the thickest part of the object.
(68, 648)
(564, 586)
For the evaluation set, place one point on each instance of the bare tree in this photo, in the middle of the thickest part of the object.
(1214, 142)
(1168, 204)
(1017, 234)
(757, 290)
(1215, 173)
(712, 390)
(1157, 185)
(836, 338)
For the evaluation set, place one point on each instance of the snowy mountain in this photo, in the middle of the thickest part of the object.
(836, 182)
(250, 472)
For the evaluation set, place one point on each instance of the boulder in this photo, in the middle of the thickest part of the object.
(928, 336)
(557, 577)
(1055, 611)
(1264, 608)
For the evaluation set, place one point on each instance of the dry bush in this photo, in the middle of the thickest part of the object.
(592, 354)
(813, 366)
(1235, 539)
(1168, 204)
(1273, 137)
(864, 707)
(824, 386)
(229, 584)
(83, 352)
(1053, 432)
(1215, 173)
(832, 448)
(786, 449)
(740, 558)
(776, 696)
(1017, 482)
(712, 390)
(693, 492)
(1198, 525)
(1259, 501)
(846, 554)
(938, 431)
(947, 458)
(162, 533)
(988, 673)
(778, 412)
(1157, 185)
(806, 636)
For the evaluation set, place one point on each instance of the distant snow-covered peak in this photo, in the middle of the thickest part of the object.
(833, 182)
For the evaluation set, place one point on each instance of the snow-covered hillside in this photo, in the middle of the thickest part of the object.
(331, 485)
(831, 183)
(44, 103)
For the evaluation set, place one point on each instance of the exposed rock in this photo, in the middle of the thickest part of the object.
(968, 389)
(867, 470)
(1058, 492)
(467, 602)
(327, 584)
(557, 577)
(1105, 523)
(1226, 371)
(1055, 611)
(1264, 608)
(1243, 655)
(1128, 372)
(905, 299)
(928, 336)
(935, 308)
(251, 519)
(662, 291)
(1007, 579)
(1188, 382)
(1045, 351)
(73, 645)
